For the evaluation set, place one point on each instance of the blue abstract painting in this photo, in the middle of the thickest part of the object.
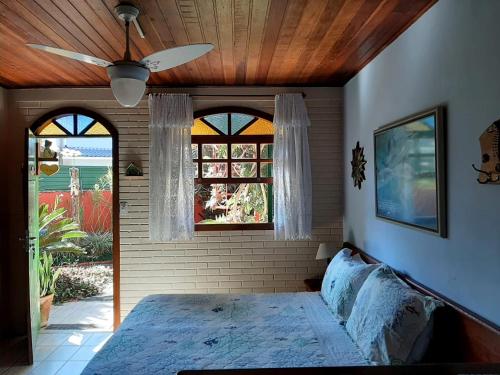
(406, 172)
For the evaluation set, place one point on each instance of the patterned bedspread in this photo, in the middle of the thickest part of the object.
(164, 334)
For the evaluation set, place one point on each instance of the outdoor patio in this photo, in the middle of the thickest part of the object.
(88, 314)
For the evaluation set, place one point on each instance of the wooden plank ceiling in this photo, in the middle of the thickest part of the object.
(257, 42)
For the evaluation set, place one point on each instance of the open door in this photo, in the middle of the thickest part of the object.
(31, 239)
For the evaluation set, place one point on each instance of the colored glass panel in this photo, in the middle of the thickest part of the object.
(219, 121)
(82, 122)
(52, 129)
(97, 129)
(199, 128)
(67, 123)
(259, 127)
(239, 121)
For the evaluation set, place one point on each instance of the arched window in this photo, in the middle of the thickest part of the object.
(232, 153)
(72, 122)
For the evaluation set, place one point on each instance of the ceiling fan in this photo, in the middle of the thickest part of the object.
(128, 77)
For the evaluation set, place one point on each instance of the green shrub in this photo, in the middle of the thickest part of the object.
(75, 283)
(97, 245)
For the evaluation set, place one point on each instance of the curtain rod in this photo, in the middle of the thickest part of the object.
(227, 95)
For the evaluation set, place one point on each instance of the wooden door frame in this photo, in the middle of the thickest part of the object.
(37, 126)
(26, 189)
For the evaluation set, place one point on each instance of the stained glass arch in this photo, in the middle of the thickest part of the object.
(232, 121)
(72, 121)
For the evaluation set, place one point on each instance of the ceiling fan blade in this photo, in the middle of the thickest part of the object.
(169, 58)
(72, 55)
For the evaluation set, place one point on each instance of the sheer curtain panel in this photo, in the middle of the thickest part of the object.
(171, 171)
(292, 169)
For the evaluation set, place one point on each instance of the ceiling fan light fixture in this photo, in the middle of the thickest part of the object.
(128, 82)
(128, 76)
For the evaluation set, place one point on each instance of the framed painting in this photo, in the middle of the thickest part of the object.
(410, 171)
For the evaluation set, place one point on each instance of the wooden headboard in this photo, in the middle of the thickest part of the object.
(459, 335)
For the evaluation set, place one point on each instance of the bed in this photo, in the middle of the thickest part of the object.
(165, 334)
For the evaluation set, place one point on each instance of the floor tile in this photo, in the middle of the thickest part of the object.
(43, 351)
(98, 339)
(77, 338)
(49, 338)
(62, 353)
(47, 368)
(84, 353)
(72, 368)
(19, 370)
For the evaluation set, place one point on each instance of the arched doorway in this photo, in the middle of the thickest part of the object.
(74, 157)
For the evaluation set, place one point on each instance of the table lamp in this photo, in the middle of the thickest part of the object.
(325, 251)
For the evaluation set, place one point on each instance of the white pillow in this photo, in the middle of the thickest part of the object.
(331, 271)
(349, 280)
(342, 281)
(388, 317)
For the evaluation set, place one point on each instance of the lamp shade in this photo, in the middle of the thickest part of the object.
(325, 251)
(128, 83)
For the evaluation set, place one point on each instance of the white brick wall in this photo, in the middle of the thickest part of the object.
(214, 262)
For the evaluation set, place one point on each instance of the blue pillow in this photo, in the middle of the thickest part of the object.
(388, 317)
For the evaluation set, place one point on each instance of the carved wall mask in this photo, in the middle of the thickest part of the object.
(490, 143)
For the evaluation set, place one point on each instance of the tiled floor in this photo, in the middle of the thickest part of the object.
(95, 312)
(62, 352)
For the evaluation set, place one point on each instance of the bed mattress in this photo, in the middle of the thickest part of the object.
(165, 334)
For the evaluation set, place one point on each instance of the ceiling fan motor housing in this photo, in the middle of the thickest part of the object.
(126, 12)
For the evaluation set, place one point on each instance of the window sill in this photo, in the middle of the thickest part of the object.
(228, 227)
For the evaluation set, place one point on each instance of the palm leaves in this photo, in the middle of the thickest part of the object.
(57, 231)
(46, 275)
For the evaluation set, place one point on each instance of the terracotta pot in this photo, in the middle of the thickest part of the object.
(45, 305)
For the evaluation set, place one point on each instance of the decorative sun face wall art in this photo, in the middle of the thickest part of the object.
(410, 172)
(358, 163)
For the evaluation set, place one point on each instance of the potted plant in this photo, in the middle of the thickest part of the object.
(48, 277)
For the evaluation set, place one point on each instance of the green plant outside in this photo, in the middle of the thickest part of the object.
(56, 232)
(98, 247)
(47, 275)
(76, 282)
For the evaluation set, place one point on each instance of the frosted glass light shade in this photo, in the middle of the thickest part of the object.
(128, 82)
(128, 91)
(325, 251)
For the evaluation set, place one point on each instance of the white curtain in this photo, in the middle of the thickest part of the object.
(171, 171)
(292, 169)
